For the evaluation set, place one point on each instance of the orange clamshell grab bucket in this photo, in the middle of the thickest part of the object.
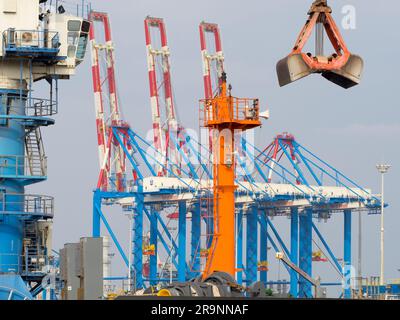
(342, 67)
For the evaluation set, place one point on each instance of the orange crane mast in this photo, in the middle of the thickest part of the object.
(224, 115)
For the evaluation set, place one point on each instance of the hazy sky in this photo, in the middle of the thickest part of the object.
(352, 130)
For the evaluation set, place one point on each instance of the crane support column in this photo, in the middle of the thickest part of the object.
(153, 241)
(294, 250)
(305, 262)
(96, 215)
(195, 239)
(347, 254)
(251, 245)
(225, 114)
(263, 251)
(182, 242)
(137, 246)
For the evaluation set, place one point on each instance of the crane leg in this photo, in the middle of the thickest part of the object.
(305, 246)
(294, 251)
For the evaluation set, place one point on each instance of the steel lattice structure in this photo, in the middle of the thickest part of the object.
(158, 64)
(105, 80)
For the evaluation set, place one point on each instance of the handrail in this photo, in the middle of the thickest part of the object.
(241, 109)
(15, 38)
(29, 204)
(79, 8)
(24, 262)
(35, 107)
(22, 166)
(40, 107)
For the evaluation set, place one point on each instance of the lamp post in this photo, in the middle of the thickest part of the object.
(130, 214)
(383, 169)
(170, 260)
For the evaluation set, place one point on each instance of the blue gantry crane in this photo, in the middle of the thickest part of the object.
(152, 198)
(285, 179)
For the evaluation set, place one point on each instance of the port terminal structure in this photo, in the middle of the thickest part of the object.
(284, 179)
(39, 43)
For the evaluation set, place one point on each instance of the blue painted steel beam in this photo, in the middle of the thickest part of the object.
(277, 236)
(333, 169)
(323, 284)
(96, 216)
(294, 250)
(165, 245)
(243, 164)
(167, 235)
(151, 147)
(112, 234)
(182, 242)
(264, 229)
(263, 250)
(275, 171)
(251, 245)
(239, 247)
(192, 169)
(153, 241)
(305, 161)
(116, 278)
(195, 242)
(330, 252)
(347, 254)
(128, 155)
(137, 245)
(294, 164)
(133, 141)
(258, 168)
(115, 195)
(188, 140)
(276, 163)
(305, 253)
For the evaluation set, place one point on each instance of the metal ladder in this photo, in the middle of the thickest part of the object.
(35, 155)
(32, 250)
